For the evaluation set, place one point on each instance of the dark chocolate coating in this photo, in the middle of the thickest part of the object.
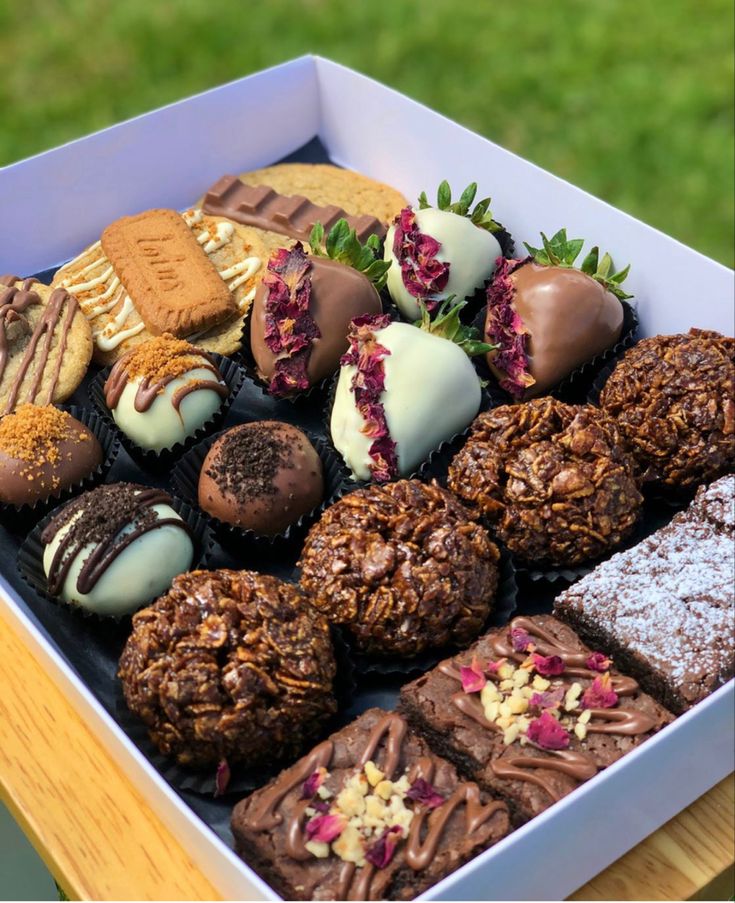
(262, 477)
(76, 460)
(338, 294)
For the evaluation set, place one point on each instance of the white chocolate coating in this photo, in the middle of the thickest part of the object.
(470, 251)
(431, 393)
(140, 572)
(162, 426)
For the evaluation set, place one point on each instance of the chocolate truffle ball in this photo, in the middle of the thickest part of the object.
(547, 320)
(229, 665)
(673, 397)
(115, 548)
(261, 476)
(42, 452)
(403, 566)
(163, 391)
(554, 480)
(336, 294)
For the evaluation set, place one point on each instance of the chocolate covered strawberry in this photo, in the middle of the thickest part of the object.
(402, 391)
(303, 307)
(547, 317)
(437, 252)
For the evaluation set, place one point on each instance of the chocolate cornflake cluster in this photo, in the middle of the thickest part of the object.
(553, 479)
(404, 566)
(229, 666)
(674, 399)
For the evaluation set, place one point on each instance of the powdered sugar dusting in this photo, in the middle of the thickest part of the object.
(670, 599)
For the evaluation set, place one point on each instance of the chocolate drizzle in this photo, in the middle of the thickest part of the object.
(14, 301)
(100, 518)
(262, 207)
(384, 748)
(575, 763)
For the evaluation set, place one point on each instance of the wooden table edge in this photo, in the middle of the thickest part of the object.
(47, 752)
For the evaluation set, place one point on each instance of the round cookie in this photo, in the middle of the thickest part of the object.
(554, 480)
(672, 397)
(115, 548)
(324, 184)
(229, 665)
(262, 477)
(42, 452)
(163, 391)
(45, 342)
(403, 567)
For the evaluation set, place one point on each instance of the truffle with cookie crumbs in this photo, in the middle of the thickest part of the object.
(42, 452)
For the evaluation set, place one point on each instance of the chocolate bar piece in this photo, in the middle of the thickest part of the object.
(294, 216)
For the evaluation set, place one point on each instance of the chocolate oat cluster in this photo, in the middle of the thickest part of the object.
(229, 665)
(674, 399)
(404, 566)
(552, 479)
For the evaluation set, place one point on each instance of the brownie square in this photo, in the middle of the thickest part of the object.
(664, 609)
(529, 712)
(369, 814)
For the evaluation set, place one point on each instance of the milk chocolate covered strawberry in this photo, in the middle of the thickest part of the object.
(441, 251)
(547, 317)
(303, 307)
(402, 391)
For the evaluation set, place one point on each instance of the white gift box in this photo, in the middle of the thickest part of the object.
(62, 199)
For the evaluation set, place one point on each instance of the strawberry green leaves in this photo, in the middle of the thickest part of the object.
(342, 244)
(559, 251)
(447, 325)
(480, 215)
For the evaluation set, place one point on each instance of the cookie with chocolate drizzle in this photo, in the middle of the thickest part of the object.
(530, 713)
(45, 344)
(369, 814)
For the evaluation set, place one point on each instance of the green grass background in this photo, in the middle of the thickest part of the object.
(630, 99)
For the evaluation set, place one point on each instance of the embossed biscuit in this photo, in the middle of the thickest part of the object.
(45, 344)
(173, 284)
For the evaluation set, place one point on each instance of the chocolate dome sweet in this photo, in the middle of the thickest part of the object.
(42, 452)
(261, 476)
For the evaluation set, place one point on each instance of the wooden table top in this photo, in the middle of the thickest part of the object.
(101, 840)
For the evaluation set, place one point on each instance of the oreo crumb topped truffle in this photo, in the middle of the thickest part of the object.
(43, 451)
(163, 391)
(229, 665)
(673, 397)
(261, 476)
(115, 548)
(403, 566)
(553, 480)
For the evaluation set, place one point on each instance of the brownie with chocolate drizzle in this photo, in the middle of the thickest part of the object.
(530, 713)
(369, 814)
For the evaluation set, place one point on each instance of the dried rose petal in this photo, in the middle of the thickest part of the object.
(504, 327)
(313, 783)
(548, 665)
(494, 667)
(368, 383)
(598, 661)
(473, 677)
(320, 806)
(324, 828)
(423, 275)
(520, 639)
(550, 699)
(381, 852)
(547, 733)
(222, 778)
(426, 794)
(600, 694)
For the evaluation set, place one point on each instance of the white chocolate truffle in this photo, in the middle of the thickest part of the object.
(132, 574)
(431, 393)
(470, 251)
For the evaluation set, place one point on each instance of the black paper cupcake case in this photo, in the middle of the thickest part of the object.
(30, 559)
(157, 462)
(23, 516)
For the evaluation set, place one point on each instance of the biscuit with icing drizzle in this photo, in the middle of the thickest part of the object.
(45, 344)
